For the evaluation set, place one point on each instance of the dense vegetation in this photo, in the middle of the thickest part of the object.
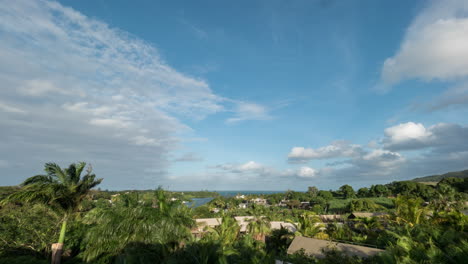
(437, 178)
(422, 224)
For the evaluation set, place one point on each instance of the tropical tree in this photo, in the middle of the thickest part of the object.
(363, 205)
(259, 227)
(347, 191)
(409, 210)
(63, 190)
(309, 225)
(226, 233)
(113, 231)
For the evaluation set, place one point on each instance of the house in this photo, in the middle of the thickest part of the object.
(202, 223)
(314, 247)
(243, 222)
(240, 196)
(259, 201)
(283, 203)
(331, 218)
(243, 205)
(366, 215)
(304, 205)
(275, 225)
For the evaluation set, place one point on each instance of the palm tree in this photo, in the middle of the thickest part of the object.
(259, 227)
(309, 226)
(409, 211)
(226, 233)
(131, 223)
(61, 189)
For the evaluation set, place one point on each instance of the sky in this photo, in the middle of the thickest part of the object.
(234, 95)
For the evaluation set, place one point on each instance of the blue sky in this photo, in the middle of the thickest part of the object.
(230, 95)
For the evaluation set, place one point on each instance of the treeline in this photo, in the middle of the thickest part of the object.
(60, 208)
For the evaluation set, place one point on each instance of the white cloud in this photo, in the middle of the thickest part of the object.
(306, 172)
(249, 111)
(336, 149)
(435, 45)
(90, 92)
(407, 132)
(11, 109)
(250, 166)
(43, 87)
(254, 169)
(412, 136)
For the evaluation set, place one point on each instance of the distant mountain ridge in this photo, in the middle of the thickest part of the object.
(437, 178)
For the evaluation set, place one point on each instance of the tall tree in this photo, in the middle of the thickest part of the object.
(313, 191)
(347, 191)
(133, 222)
(259, 227)
(63, 190)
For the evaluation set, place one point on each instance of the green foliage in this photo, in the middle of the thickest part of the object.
(379, 190)
(436, 178)
(327, 195)
(149, 227)
(364, 205)
(347, 191)
(363, 192)
(27, 227)
(111, 230)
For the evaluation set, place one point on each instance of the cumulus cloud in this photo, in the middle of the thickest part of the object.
(337, 149)
(441, 137)
(441, 147)
(435, 45)
(74, 88)
(305, 172)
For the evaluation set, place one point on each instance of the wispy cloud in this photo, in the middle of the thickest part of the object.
(189, 157)
(76, 88)
(244, 111)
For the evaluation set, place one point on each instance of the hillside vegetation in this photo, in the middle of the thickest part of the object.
(437, 178)
(59, 216)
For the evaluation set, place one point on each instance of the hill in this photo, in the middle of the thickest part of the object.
(437, 178)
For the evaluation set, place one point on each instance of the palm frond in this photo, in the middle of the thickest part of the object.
(38, 179)
(54, 170)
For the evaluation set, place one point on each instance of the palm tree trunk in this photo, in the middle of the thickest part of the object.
(57, 248)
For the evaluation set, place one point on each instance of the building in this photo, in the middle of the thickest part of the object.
(366, 215)
(315, 247)
(275, 225)
(331, 218)
(203, 223)
(259, 201)
(243, 205)
(243, 222)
